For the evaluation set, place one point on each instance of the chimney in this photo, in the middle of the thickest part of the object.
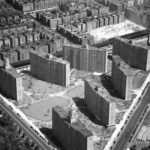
(49, 56)
(87, 46)
(7, 63)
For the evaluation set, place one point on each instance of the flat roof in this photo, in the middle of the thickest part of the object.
(126, 69)
(100, 90)
(143, 43)
(61, 112)
(79, 126)
(87, 47)
(12, 71)
(50, 57)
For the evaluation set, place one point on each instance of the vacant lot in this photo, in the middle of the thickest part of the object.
(111, 31)
(43, 110)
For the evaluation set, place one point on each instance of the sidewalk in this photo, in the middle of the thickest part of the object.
(128, 113)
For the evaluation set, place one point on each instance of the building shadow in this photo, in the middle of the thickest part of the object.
(107, 83)
(110, 57)
(58, 54)
(48, 132)
(83, 108)
(27, 72)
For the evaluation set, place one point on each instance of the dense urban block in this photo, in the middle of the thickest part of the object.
(79, 70)
(139, 15)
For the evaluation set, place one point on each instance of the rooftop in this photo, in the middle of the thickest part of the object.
(79, 126)
(143, 43)
(87, 47)
(12, 72)
(50, 57)
(100, 90)
(126, 69)
(61, 112)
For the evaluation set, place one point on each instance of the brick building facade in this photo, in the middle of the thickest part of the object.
(10, 82)
(50, 69)
(85, 58)
(122, 77)
(71, 136)
(136, 55)
(99, 103)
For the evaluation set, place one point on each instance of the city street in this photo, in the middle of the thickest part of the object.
(26, 128)
(130, 126)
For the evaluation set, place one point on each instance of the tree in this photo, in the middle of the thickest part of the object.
(133, 147)
(145, 148)
(9, 139)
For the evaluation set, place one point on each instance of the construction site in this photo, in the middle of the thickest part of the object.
(111, 31)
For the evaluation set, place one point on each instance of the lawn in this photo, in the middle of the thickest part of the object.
(76, 91)
(43, 110)
(40, 89)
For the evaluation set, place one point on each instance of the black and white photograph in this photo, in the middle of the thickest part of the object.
(74, 74)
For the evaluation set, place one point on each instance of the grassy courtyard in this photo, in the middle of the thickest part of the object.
(43, 110)
(76, 91)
